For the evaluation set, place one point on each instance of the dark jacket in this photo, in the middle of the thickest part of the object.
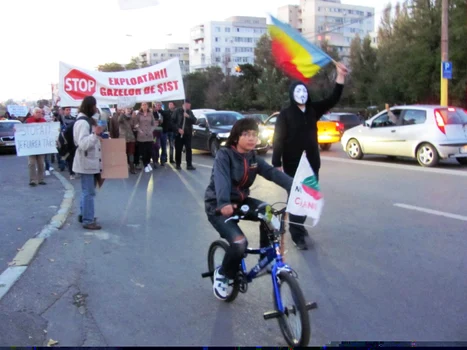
(166, 121)
(178, 121)
(233, 174)
(297, 131)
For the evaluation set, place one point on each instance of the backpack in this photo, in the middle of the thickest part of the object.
(66, 144)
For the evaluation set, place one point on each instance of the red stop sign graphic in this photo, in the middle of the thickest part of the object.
(79, 84)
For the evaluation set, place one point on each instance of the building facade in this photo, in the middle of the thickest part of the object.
(155, 56)
(331, 21)
(225, 44)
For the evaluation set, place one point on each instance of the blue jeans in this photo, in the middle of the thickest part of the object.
(164, 147)
(88, 192)
(47, 162)
(171, 139)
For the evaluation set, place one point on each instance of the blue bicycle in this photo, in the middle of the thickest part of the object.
(290, 312)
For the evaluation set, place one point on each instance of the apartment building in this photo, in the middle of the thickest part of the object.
(155, 56)
(330, 20)
(225, 43)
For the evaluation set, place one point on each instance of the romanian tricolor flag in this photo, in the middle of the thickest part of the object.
(296, 56)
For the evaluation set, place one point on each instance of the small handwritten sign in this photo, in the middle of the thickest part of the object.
(36, 138)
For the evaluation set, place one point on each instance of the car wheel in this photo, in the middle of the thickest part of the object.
(214, 147)
(354, 150)
(462, 161)
(325, 146)
(427, 155)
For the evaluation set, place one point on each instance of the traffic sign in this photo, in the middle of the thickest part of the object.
(447, 69)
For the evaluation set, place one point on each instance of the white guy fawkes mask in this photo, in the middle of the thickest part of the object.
(300, 94)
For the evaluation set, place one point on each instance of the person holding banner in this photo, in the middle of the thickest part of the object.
(184, 120)
(296, 131)
(36, 163)
(88, 160)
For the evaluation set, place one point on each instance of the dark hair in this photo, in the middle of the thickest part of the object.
(88, 106)
(239, 127)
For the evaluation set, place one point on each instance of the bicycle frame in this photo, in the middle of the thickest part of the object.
(272, 253)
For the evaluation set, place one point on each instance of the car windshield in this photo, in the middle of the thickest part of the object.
(223, 118)
(4, 127)
(456, 116)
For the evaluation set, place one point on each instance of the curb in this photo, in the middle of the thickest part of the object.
(29, 250)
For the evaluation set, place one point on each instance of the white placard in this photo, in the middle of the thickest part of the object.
(17, 111)
(126, 102)
(36, 138)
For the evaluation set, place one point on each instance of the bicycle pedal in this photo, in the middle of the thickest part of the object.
(311, 306)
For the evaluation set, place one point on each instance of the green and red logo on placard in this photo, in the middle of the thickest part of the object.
(310, 186)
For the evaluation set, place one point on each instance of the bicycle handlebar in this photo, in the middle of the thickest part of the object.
(244, 210)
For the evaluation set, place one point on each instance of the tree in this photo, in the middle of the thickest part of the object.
(10, 101)
(263, 53)
(110, 67)
(195, 85)
(271, 89)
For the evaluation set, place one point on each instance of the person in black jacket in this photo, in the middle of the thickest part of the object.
(165, 121)
(296, 131)
(184, 119)
(235, 169)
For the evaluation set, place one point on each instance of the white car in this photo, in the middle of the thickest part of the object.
(424, 132)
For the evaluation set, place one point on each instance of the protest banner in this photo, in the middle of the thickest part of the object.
(305, 197)
(161, 82)
(17, 111)
(114, 160)
(36, 138)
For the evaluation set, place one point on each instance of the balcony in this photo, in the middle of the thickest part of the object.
(197, 34)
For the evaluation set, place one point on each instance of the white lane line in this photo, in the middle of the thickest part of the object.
(397, 166)
(203, 166)
(431, 211)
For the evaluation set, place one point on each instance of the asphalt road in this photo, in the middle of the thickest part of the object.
(382, 266)
(24, 210)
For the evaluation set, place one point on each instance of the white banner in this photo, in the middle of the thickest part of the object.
(17, 111)
(136, 4)
(305, 197)
(36, 138)
(126, 102)
(161, 82)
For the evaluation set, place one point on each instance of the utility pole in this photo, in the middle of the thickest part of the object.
(444, 49)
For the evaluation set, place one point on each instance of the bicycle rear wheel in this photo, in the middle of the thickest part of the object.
(295, 322)
(216, 254)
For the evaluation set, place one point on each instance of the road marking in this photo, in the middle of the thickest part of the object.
(9, 277)
(203, 166)
(431, 211)
(398, 166)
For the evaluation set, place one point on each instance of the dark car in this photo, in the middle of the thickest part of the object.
(260, 118)
(348, 120)
(7, 134)
(213, 128)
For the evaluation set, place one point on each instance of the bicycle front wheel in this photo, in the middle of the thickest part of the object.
(216, 255)
(295, 322)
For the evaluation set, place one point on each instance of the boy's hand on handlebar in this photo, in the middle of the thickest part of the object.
(228, 210)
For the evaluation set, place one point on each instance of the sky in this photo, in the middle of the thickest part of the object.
(37, 34)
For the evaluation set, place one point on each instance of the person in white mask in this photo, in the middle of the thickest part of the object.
(296, 131)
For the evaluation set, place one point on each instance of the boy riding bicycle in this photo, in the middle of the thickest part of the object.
(234, 172)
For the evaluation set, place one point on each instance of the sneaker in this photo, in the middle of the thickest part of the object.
(32, 184)
(221, 283)
(92, 226)
(178, 167)
(190, 167)
(42, 183)
(147, 169)
(51, 168)
(47, 173)
(301, 245)
(72, 177)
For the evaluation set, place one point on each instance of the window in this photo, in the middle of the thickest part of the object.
(272, 121)
(201, 120)
(216, 39)
(227, 29)
(384, 120)
(227, 49)
(223, 118)
(414, 116)
(218, 29)
(218, 49)
(218, 59)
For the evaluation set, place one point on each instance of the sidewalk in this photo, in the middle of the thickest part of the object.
(24, 210)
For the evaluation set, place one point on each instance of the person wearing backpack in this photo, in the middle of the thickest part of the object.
(87, 161)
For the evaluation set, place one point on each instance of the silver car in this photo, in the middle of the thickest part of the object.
(424, 132)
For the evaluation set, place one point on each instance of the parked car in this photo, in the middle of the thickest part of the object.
(348, 120)
(424, 132)
(260, 118)
(7, 134)
(329, 132)
(212, 129)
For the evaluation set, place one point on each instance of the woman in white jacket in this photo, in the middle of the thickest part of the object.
(87, 161)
